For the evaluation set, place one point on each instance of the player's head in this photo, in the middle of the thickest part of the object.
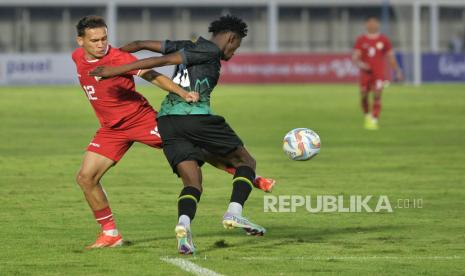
(92, 35)
(228, 31)
(372, 24)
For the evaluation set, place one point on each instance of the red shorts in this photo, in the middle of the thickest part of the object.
(371, 82)
(114, 142)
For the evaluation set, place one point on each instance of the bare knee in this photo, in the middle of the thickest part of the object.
(190, 174)
(245, 160)
(86, 180)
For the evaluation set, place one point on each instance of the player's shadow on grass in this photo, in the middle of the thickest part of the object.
(279, 235)
(133, 242)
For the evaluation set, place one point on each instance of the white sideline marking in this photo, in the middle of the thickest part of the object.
(190, 267)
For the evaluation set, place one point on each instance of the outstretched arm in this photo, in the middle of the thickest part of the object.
(168, 85)
(146, 63)
(138, 45)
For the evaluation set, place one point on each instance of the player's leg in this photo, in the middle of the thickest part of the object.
(213, 134)
(242, 186)
(364, 97)
(376, 110)
(185, 159)
(260, 182)
(104, 151)
(92, 169)
(191, 176)
(146, 132)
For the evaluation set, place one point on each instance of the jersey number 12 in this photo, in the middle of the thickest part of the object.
(90, 91)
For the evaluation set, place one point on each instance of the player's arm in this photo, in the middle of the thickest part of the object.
(394, 65)
(168, 85)
(146, 63)
(357, 59)
(138, 45)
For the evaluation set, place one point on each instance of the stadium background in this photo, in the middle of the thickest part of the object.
(417, 154)
(310, 40)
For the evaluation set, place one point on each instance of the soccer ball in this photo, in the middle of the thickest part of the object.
(301, 144)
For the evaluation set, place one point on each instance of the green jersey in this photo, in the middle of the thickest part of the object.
(199, 71)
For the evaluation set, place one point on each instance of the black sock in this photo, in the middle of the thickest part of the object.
(187, 201)
(242, 184)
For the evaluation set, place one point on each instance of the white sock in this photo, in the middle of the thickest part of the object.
(112, 232)
(235, 208)
(184, 220)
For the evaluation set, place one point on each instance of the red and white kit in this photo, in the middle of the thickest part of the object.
(125, 115)
(373, 52)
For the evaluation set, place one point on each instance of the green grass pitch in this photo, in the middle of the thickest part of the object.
(418, 153)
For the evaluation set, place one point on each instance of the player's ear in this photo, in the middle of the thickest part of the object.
(80, 41)
(231, 37)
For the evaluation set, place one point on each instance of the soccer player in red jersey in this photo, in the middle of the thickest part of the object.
(125, 117)
(369, 54)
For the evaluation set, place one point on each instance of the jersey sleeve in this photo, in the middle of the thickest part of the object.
(74, 55)
(199, 55)
(358, 44)
(169, 46)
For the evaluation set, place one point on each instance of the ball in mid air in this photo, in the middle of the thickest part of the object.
(301, 144)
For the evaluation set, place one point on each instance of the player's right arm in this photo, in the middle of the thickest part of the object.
(177, 52)
(168, 85)
(146, 63)
(357, 56)
(138, 45)
(162, 47)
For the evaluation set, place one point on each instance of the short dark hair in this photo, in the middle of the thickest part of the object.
(228, 23)
(89, 22)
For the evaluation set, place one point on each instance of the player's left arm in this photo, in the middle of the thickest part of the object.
(168, 85)
(395, 65)
(392, 59)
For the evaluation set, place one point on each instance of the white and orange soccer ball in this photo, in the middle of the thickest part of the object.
(301, 144)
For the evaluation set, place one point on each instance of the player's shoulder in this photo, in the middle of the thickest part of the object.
(206, 45)
(116, 52)
(117, 55)
(361, 36)
(77, 54)
(384, 37)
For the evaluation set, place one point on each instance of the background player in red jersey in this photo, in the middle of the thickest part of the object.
(369, 55)
(125, 117)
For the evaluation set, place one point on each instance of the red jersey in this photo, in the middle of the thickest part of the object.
(114, 100)
(374, 51)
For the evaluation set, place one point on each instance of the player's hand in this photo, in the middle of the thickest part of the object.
(192, 97)
(103, 72)
(399, 75)
(365, 67)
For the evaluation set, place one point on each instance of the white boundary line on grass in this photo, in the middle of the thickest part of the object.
(190, 267)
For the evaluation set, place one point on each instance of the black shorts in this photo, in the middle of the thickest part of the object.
(184, 137)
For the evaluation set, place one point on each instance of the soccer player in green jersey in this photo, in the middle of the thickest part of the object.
(187, 128)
